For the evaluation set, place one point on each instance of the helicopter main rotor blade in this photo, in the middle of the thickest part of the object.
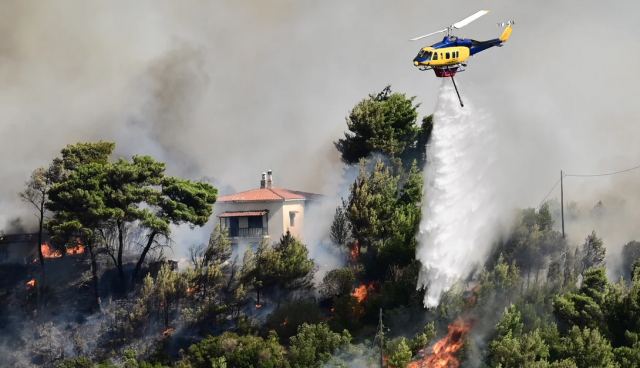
(469, 19)
(428, 34)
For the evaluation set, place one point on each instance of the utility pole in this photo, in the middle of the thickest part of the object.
(381, 339)
(562, 201)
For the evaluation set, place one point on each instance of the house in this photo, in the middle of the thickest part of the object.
(266, 212)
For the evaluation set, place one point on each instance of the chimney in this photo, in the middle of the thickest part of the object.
(263, 181)
(269, 178)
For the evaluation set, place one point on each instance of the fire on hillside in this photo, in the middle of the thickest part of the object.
(31, 284)
(443, 353)
(361, 293)
(49, 252)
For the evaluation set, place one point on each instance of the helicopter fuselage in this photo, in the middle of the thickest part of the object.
(447, 55)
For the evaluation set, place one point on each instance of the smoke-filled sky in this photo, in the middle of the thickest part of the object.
(226, 89)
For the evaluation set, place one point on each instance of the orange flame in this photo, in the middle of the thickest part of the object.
(355, 251)
(443, 353)
(168, 331)
(31, 284)
(48, 252)
(191, 290)
(361, 293)
(76, 249)
(258, 306)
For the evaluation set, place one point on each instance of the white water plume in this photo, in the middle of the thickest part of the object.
(460, 213)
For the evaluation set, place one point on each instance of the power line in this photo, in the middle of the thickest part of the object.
(605, 174)
(585, 176)
(549, 193)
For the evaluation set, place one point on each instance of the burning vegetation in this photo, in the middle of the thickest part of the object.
(194, 310)
(443, 353)
(354, 252)
(31, 284)
(361, 293)
(49, 252)
(75, 249)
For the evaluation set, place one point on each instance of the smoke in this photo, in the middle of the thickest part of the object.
(226, 88)
(462, 211)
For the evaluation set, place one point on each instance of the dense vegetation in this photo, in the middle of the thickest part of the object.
(537, 302)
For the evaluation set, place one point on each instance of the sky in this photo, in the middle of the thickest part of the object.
(223, 90)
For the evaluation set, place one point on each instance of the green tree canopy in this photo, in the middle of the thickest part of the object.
(512, 347)
(593, 252)
(101, 197)
(588, 348)
(246, 351)
(314, 344)
(385, 123)
(630, 254)
(584, 308)
(285, 264)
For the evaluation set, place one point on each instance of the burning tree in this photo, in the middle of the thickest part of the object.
(444, 351)
(36, 194)
(100, 201)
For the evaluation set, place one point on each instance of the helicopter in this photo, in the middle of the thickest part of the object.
(449, 56)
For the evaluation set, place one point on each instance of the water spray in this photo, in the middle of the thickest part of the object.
(460, 212)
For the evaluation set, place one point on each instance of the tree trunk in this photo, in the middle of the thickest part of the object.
(42, 281)
(166, 314)
(123, 281)
(136, 271)
(94, 274)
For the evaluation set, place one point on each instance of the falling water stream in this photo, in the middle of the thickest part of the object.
(460, 210)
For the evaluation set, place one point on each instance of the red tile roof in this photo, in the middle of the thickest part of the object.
(242, 213)
(266, 194)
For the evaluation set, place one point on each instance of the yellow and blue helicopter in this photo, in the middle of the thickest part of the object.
(449, 56)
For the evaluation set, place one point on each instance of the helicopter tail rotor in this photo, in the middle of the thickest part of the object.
(506, 32)
(507, 23)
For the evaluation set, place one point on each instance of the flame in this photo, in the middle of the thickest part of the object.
(258, 306)
(48, 252)
(443, 353)
(76, 249)
(31, 284)
(355, 251)
(168, 331)
(361, 293)
(191, 290)
(285, 322)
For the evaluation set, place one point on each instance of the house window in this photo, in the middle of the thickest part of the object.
(255, 222)
(292, 218)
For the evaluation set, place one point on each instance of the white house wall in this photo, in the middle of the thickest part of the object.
(274, 208)
(293, 206)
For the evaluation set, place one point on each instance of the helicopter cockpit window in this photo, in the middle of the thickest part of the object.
(424, 54)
